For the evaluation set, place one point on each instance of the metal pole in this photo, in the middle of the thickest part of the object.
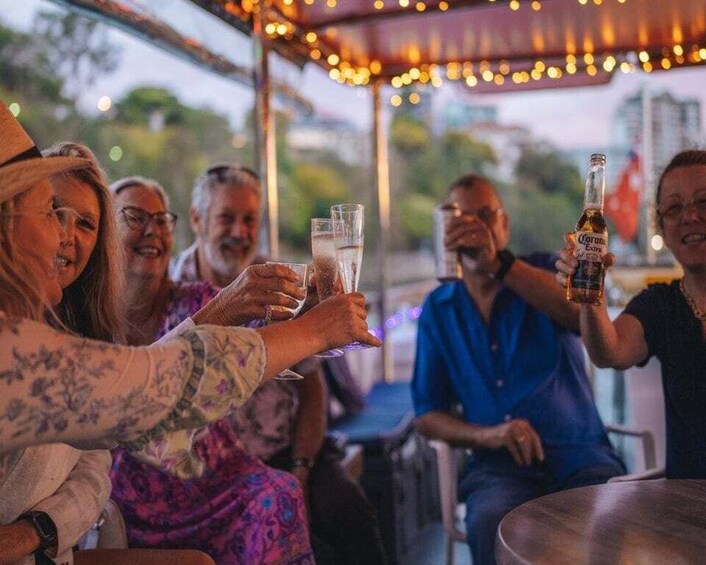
(382, 173)
(648, 172)
(265, 129)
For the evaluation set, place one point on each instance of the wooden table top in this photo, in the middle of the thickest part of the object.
(640, 522)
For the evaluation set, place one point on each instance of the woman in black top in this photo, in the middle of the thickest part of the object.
(666, 320)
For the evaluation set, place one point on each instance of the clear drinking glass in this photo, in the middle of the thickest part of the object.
(323, 251)
(348, 239)
(301, 270)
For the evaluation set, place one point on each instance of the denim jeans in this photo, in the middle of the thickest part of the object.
(495, 484)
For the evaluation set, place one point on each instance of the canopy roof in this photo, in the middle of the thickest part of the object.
(492, 45)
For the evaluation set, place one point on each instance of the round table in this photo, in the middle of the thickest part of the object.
(642, 522)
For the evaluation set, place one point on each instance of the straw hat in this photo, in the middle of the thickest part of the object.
(21, 163)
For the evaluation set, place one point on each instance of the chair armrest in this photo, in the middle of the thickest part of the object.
(447, 466)
(113, 532)
(656, 473)
(352, 461)
(648, 442)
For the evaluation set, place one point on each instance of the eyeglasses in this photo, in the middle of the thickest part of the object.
(221, 172)
(139, 219)
(485, 214)
(675, 210)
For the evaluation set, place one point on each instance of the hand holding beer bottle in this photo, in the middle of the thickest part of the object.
(567, 262)
(582, 266)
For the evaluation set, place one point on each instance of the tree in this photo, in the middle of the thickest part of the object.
(549, 171)
(408, 136)
(548, 187)
(76, 48)
(151, 106)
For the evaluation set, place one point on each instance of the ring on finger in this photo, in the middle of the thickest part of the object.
(268, 314)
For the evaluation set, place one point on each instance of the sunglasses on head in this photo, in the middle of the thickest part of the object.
(221, 172)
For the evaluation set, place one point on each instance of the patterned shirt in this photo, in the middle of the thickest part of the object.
(59, 388)
(266, 423)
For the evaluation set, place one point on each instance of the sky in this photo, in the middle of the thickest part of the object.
(568, 118)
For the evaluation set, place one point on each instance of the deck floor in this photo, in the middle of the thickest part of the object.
(430, 549)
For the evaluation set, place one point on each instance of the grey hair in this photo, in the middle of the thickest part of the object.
(119, 185)
(218, 176)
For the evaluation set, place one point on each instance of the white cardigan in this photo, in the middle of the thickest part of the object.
(70, 485)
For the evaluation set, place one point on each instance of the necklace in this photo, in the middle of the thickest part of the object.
(701, 316)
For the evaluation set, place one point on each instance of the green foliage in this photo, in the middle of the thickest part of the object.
(22, 71)
(76, 48)
(153, 107)
(416, 217)
(549, 171)
(408, 135)
(308, 192)
(538, 220)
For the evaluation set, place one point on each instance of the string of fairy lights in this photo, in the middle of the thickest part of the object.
(473, 73)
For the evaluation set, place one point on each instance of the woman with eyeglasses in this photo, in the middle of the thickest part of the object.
(56, 387)
(665, 320)
(239, 510)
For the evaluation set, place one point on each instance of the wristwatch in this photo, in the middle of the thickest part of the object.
(506, 260)
(302, 462)
(45, 527)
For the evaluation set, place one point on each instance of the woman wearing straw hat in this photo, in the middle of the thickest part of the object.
(55, 387)
(55, 493)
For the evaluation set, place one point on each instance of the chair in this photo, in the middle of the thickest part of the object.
(109, 531)
(649, 454)
(447, 460)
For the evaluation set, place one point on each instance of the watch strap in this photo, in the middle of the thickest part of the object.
(44, 526)
(506, 258)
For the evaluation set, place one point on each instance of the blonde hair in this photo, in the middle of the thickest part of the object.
(18, 286)
(90, 306)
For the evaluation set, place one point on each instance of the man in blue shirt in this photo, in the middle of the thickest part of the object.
(502, 344)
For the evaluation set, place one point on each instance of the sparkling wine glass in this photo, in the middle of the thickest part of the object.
(348, 239)
(300, 269)
(323, 251)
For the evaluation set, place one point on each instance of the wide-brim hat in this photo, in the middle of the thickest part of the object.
(21, 163)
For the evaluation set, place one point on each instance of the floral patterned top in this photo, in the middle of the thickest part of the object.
(59, 388)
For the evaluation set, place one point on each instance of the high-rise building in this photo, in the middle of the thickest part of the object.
(676, 125)
(461, 115)
(333, 135)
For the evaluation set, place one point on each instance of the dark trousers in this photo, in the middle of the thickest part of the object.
(341, 515)
(494, 485)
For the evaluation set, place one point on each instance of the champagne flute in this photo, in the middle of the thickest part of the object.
(300, 269)
(348, 239)
(323, 252)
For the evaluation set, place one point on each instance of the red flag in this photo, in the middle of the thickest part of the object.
(623, 204)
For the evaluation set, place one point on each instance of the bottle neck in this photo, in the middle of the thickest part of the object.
(595, 188)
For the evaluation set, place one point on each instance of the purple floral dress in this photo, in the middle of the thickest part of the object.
(239, 511)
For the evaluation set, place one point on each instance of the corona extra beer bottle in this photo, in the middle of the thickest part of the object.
(590, 239)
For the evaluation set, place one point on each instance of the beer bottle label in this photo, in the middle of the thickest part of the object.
(590, 249)
(591, 246)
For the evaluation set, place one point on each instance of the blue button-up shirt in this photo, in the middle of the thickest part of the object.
(520, 365)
